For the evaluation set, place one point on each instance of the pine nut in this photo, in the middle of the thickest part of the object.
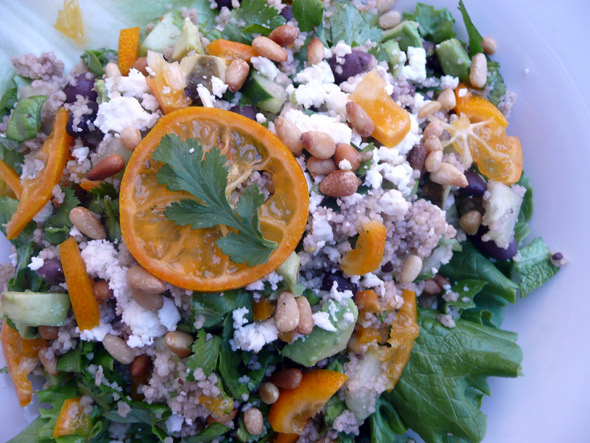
(179, 342)
(384, 5)
(447, 100)
(305, 325)
(429, 108)
(447, 174)
(433, 144)
(442, 281)
(87, 223)
(265, 47)
(236, 75)
(140, 366)
(254, 421)
(269, 393)
(478, 73)
(130, 138)
(359, 119)
(411, 269)
(431, 287)
(118, 349)
(139, 278)
(151, 302)
(433, 129)
(489, 45)
(315, 51)
(49, 332)
(319, 144)
(141, 65)
(287, 378)
(344, 151)
(48, 361)
(289, 134)
(318, 166)
(101, 291)
(433, 161)
(390, 19)
(470, 222)
(284, 35)
(339, 184)
(287, 313)
(106, 168)
(111, 70)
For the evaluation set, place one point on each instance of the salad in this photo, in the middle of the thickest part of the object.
(260, 221)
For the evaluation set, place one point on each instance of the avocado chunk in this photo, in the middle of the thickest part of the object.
(405, 34)
(35, 308)
(200, 69)
(190, 40)
(265, 93)
(393, 51)
(321, 343)
(164, 34)
(454, 59)
(289, 270)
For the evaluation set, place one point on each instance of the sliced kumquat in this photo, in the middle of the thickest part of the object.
(477, 108)
(69, 21)
(218, 406)
(89, 185)
(37, 190)
(11, 178)
(262, 309)
(72, 419)
(368, 335)
(190, 258)
(21, 357)
(368, 252)
(392, 123)
(367, 301)
(84, 304)
(168, 83)
(289, 414)
(128, 49)
(231, 50)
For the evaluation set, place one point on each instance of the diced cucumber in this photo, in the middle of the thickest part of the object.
(164, 34)
(454, 59)
(405, 34)
(359, 395)
(190, 40)
(265, 93)
(393, 51)
(502, 206)
(35, 308)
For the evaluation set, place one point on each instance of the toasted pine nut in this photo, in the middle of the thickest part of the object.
(289, 134)
(287, 313)
(101, 291)
(49, 332)
(433, 161)
(87, 223)
(305, 325)
(433, 129)
(390, 19)
(141, 365)
(236, 75)
(287, 378)
(340, 184)
(269, 49)
(284, 35)
(141, 65)
(179, 342)
(344, 151)
(319, 144)
(269, 393)
(253, 421)
(118, 349)
(432, 144)
(139, 278)
(151, 302)
(489, 45)
(48, 361)
(111, 70)
(431, 287)
(359, 119)
(448, 174)
(106, 168)
(470, 222)
(447, 99)
(130, 138)
(429, 108)
(385, 5)
(318, 166)
(442, 281)
(315, 51)
(411, 269)
(478, 73)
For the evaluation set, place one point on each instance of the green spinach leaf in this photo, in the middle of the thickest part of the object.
(534, 267)
(25, 122)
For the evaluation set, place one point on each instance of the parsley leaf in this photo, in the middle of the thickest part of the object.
(205, 353)
(106, 204)
(534, 266)
(205, 177)
(497, 81)
(255, 16)
(308, 13)
(351, 25)
(522, 229)
(436, 25)
(10, 156)
(475, 37)
(58, 226)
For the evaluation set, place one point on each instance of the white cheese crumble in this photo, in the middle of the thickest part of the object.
(239, 317)
(218, 87)
(322, 320)
(134, 85)
(332, 126)
(393, 203)
(36, 263)
(123, 112)
(206, 97)
(344, 165)
(169, 315)
(44, 213)
(265, 67)
(254, 336)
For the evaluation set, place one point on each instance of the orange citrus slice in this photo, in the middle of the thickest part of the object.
(231, 50)
(128, 49)
(9, 177)
(368, 252)
(477, 108)
(190, 258)
(72, 419)
(69, 21)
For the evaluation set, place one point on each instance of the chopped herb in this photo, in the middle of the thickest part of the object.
(352, 26)
(475, 37)
(259, 17)
(436, 25)
(205, 353)
(58, 226)
(308, 13)
(96, 59)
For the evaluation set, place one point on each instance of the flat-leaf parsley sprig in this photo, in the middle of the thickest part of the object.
(205, 177)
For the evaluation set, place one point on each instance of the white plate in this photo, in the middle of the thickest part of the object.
(545, 61)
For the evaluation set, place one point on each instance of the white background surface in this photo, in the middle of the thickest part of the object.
(543, 52)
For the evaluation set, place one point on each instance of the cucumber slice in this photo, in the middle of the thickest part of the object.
(164, 34)
(35, 308)
(265, 93)
(406, 34)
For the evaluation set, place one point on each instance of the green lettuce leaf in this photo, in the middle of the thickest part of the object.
(25, 122)
(534, 267)
(466, 290)
(436, 25)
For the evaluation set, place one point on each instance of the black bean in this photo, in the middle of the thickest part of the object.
(476, 185)
(426, 301)
(51, 271)
(557, 256)
(226, 3)
(432, 61)
(387, 267)
(353, 64)
(249, 111)
(417, 157)
(86, 122)
(490, 249)
(83, 87)
(287, 12)
(344, 284)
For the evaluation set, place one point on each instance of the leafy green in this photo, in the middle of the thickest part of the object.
(58, 225)
(365, 164)
(205, 353)
(522, 229)
(352, 26)
(475, 37)
(466, 290)
(436, 25)
(211, 432)
(96, 59)
(446, 377)
(229, 362)
(245, 437)
(215, 306)
(29, 434)
(385, 423)
(185, 169)
(7, 102)
(25, 122)
(308, 13)
(9, 154)
(333, 409)
(534, 266)
(259, 17)
(106, 204)
(497, 81)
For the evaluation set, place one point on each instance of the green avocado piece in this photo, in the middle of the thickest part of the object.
(391, 48)
(199, 69)
(190, 40)
(406, 34)
(164, 34)
(454, 59)
(321, 344)
(35, 308)
(289, 270)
